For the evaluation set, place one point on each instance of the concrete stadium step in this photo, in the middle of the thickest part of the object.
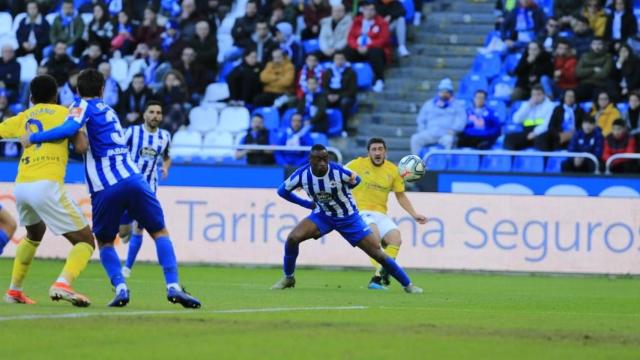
(450, 39)
(399, 106)
(463, 17)
(390, 130)
(449, 28)
(444, 50)
(425, 72)
(438, 62)
(391, 118)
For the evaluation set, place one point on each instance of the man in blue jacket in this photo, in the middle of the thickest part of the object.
(588, 139)
(483, 127)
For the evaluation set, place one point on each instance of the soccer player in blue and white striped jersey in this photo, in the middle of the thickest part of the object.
(149, 148)
(116, 186)
(329, 185)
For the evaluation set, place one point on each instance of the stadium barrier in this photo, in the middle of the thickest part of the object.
(619, 156)
(465, 232)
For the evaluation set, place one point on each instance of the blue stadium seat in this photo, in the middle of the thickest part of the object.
(490, 36)
(499, 108)
(320, 138)
(471, 83)
(335, 122)
(271, 117)
(226, 69)
(586, 106)
(510, 63)
(488, 65)
(410, 10)
(623, 107)
(229, 160)
(502, 87)
(528, 164)
(311, 46)
(437, 163)
(285, 120)
(495, 163)
(364, 75)
(554, 164)
(464, 162)
(512, 110)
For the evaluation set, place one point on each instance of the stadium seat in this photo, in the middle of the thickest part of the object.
(86, 18)
(490, 36)
(335, 122)
(226, 69)
(51, 17)
(502, 87)
(234, 119)
(528, 164)
(320, 138)
(437, 163)
(311, 46)
(459, 162)
(270, 115)
(226, 26)
(586, 106)
(203, 119)
(495, 163)
(499, 108)
(471, 83)
(623, 107)
(215, 92)
(364, 75)
(186, 143)
(9, 39)
(554, 164)
(28, 67)
(6, 23)
(285, 120)
(218, 138)
(410, 10)
(16, 21)
(120, 72)
(488, 65)
(510, 63)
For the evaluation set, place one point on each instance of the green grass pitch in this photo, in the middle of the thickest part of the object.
(330, 315)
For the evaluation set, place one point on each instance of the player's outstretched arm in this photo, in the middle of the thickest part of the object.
(406, 204)
(63, 131)
(291, 197)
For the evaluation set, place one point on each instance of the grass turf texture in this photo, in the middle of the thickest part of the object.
(460, 316)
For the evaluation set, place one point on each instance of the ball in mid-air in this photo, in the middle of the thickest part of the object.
(411, 168)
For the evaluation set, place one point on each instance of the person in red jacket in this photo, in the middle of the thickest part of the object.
(369, 40)
(619, 142)
(564, 66)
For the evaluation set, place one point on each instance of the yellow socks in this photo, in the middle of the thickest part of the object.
(392, 251)
(77, 261)
(25, 251)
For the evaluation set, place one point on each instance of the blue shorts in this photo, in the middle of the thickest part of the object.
(352, 228)
(127, 220)
(133, 196)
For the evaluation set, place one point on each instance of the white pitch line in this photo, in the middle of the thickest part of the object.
(80, 315)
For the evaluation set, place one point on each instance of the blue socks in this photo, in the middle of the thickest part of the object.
(396, 271)
(167, 259)
(4, 240)
(134, 247)
(111, 263)
(290, 256)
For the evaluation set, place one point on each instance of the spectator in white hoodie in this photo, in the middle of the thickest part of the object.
(534, 116)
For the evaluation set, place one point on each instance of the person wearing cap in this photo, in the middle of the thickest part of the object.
(440, 119)
(287, 42)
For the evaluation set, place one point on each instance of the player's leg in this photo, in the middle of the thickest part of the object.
(135, 243)
(391, 242)
(25, 252)
(77, 260)
(311, 227)
(7, 228)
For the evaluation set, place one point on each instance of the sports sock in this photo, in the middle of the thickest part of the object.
(167, 259)
(392, 251)
(111, 263)
(396, 271)
(25, 251)
(290, 256)
(4, 240)
(135, 242)
(77, 261)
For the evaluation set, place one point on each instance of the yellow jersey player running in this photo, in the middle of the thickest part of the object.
(41, 198)
(379, 178)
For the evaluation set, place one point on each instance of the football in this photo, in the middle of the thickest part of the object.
(411, 168)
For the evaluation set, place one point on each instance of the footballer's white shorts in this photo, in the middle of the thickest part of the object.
(49, 202)
(382, 221)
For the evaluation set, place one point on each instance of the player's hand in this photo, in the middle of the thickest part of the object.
(24, 140)
(420, 219)
(354, 178)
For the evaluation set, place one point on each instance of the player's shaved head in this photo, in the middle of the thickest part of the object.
(90, 83)
(319, 160)
(44, 89)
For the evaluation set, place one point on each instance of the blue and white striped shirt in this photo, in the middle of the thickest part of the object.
(148, 149)
(331, 192)
(107, 161)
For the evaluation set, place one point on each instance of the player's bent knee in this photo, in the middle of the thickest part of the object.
(162, 233)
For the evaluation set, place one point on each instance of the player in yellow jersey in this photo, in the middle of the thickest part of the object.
(379, 178)
(41, 198)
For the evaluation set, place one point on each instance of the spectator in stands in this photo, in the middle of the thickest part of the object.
(277, 80)
(393, 12)
(620, 142)
(244, 27)
(244, 81)
(565, 120)
(132, 102)
(595, 72)
(628, 66)
(334, 31)
(522, 24)
(582, 35)
(59, 64)
(5, 111)
(149, 33)
(111, 92)
(286, 41)
(205, 46)
(69, 91)
(124, 29)
(101, 30)
(605, 112)
(534, 115)
(93, 58)
(440, 119)
(313, 106)
(189, 17)
(341, 85)
(595, 16)
(370, 41)
(155, 67)
(68, 27)
(621, 23)
(313, 12)
(588, 139)
(564, 10)
(534, 67)
(175, 97)
(9, 72)
(256, 135)
(632, 116)
(294, 135)
(171, 42)
(483, 127)
(195, 76)
(263, 42)
(216, 11)
(33, 32)
(277, 16)
(564, 68)
(549, 36)
(311, 69)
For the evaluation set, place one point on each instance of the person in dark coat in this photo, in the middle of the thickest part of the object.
(205, 45)
(340, 84)
(33, 24)
(257, 135)
(628, 66)
(10, 72)
(621, 23)
(132, 102)
(244, 81)
(566, 119)
(59, 64)
(587, 139)
(244, 27)
(535, 64)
